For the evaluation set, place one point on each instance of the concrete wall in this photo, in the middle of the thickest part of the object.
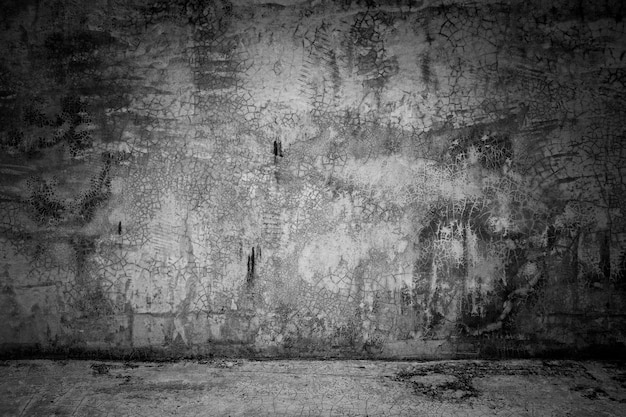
(312, 178)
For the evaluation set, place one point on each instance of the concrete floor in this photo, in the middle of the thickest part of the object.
(312, 388)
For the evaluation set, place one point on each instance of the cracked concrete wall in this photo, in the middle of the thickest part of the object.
(381, 179)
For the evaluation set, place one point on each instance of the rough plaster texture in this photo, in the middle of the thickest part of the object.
(393, 179)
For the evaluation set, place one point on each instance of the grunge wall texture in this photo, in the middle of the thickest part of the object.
(312, 178)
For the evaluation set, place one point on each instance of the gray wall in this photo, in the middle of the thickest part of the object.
(312, 178)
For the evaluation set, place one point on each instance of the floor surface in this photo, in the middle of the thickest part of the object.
(312, 388)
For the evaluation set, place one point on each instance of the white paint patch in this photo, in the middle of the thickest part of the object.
(324, 255)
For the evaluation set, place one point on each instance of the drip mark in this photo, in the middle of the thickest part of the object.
(251, 268)
(278, 150)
